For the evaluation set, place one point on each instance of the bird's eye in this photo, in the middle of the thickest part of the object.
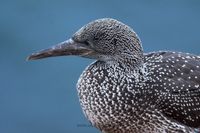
(87, 43)
(96, 38)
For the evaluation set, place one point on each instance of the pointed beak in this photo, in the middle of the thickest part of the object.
(68, 47)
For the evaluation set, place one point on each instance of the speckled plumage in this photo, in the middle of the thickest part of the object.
(126, 91)
(162, 95)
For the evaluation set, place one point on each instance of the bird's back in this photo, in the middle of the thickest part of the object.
(176, 85)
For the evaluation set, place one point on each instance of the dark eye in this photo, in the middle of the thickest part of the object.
(86, 43)
(96, 38)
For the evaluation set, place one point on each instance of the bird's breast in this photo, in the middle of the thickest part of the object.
(108, 96)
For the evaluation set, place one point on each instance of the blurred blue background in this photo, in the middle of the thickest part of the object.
(40, 96)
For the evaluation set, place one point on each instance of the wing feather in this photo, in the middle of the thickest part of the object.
(179, 86)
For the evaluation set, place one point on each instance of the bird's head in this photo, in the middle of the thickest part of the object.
(103, 39)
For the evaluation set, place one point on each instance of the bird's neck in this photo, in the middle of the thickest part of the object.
(129, 63)
(126, 68)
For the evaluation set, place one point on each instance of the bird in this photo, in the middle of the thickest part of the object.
(126, 90)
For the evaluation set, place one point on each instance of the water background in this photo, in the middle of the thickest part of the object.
(40, 96)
